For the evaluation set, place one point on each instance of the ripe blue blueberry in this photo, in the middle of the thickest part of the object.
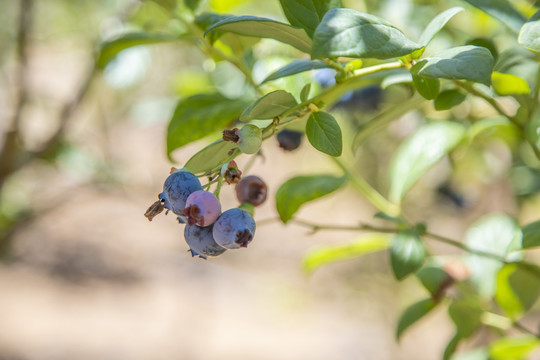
(289, 140)
(251, 189)
(202, 208)
(178, 186)
(234, 229)
(201, 241)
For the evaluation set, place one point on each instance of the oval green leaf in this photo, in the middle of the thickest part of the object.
(210, 157)
(466, 316)
(407, 254)
(307, 14)
(200, 115)
(412, 314)
(447, 99)
(299, 190)
(356, 248)
(264, 28)
(496, 234)
(468, 62)
(421, 151)
(508, 84)
(269, 106)
(514, 348)
(428, 88)
(437, 24)
(109, 49)
(296, 67)
(529, 35)
(518, 288)
(433, 278)
(531, 235)
(351, 33)
(324, 133)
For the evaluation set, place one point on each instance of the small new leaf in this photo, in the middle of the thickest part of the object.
(324, 133)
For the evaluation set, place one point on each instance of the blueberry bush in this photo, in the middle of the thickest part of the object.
(468, 72)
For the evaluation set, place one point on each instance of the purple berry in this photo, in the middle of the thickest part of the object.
(289, 140)
(202, 208)
(201, 242)
(178, 186)
(251, 189)
(234, 229)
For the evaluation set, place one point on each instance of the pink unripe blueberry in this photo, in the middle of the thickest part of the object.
(202, 208)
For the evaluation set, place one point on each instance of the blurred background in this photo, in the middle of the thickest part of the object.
(82, 155)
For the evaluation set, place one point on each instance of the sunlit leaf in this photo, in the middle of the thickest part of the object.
(421, 151)
(508, 84)
(468, 62)
(299, 190)
(513, 348)
(269, 106)
(351, 33)
(518, 287)
(324, 133)
(264, 28)
(356, 248)
(502, 11)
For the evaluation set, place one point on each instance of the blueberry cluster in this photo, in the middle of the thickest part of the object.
(209, 232)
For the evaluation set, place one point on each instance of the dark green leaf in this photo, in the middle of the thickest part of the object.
(531, 235)
(304, 94)
(307, 14)
(269, 106)
(514, 348)
(437, 24)
(351, 33)
(207, 19)
(428, 88)
(412, 314)
(324, 133)
(434, 279)
(447, 99)
(466, 316)
(264, 28)
(421, 151)
(359, 247)
(502, 11)
(451, 347)
(508, 84)
(468, 62)
(496, 234)
(210, 157)
(295, 67)
(299, 190)
(200, 115)
(518, 287)
(193, 5)
(109, 49)
(529, 35)
(407, 254)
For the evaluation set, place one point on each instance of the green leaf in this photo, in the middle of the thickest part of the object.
(210, 157)
(437, 24)
(529, 35)
(447, 99)
(412, 314)
(304, 94)
(264, 28)
(407, 254)
(109, 49)
(502, 11)
(466, 317)
(514, 348)
(495, 234)
(451, 347)
(295, 67)
(207, 19)
(468, 62)
(434, 279)
(200, 115)
(324, 133)
(299, 190)
(508, 84)
(193, 5)
(474, 354)
(269, 106)
(518, 287)
(428, 88)
(421, 151)
(488, 124)
(356, 248)
(307, 14)
(351, 33)
(531, 235)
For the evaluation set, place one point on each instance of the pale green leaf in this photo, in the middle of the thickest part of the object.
(508, 84)
(295, 67)
(210, 157)
(269, 106)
